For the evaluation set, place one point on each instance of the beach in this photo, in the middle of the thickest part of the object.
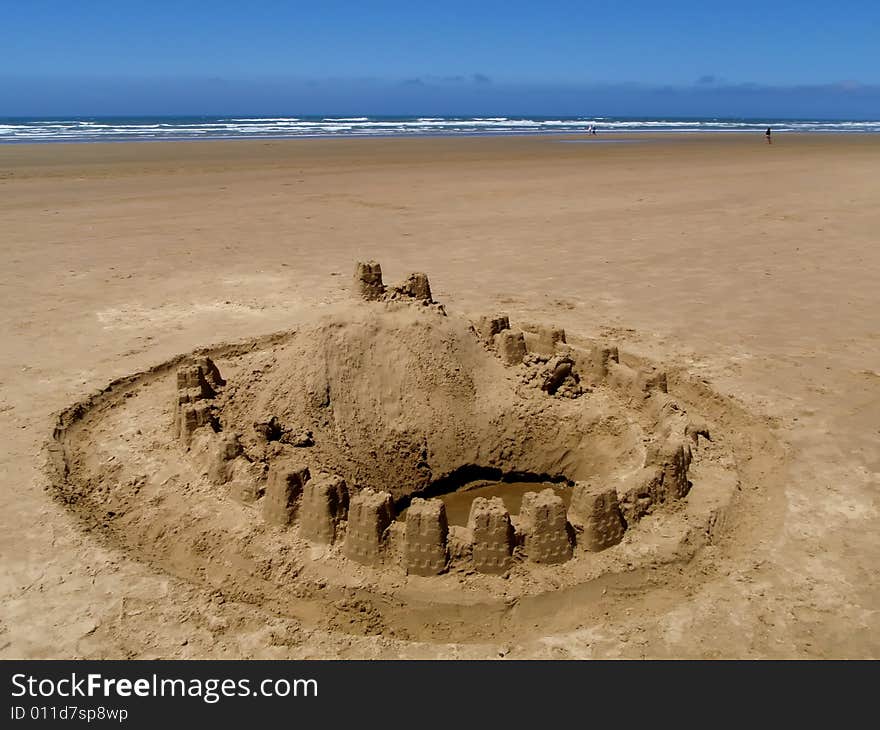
(753, 266)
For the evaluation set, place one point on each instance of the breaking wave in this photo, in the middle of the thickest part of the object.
(182, 128)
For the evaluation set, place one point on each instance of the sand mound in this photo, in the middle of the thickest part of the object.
(398, 397)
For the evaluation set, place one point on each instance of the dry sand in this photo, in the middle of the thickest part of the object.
(753, 266)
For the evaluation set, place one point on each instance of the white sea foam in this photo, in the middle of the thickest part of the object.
(41, 130)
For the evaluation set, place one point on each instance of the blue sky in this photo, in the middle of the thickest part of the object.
(777, 58)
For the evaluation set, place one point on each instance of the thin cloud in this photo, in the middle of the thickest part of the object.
(456, 79)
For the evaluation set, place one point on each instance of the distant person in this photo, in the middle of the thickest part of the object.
(593, 129)
(767, 134)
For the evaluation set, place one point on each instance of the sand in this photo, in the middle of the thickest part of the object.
(751, 267)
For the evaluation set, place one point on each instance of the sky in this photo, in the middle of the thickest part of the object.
(775, 58)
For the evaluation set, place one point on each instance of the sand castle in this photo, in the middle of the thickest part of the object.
(334, 453)
(368, 283)
(323, 506)
(325, 510)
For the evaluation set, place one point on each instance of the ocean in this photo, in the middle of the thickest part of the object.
(123, 129)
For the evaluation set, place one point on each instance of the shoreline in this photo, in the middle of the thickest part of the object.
(447, 135)
(448, 153)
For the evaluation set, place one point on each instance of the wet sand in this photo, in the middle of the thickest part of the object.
(756, 266)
